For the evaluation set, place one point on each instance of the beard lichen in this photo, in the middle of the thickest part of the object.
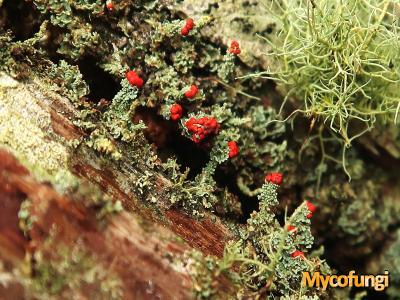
(341, 58)
(338, 61)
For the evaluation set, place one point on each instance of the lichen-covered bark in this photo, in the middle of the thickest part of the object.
(45, 120)
(143, 257)
(72, 117)
(236, 20)
(123, 246)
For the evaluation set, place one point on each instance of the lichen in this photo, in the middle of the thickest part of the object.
(68, 81)
(20, 113)
(340, 60)
(262, 260)
(240, 20)
(60, 271)
(134, 135)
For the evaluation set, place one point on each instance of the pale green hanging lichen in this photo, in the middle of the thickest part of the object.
(339, 60)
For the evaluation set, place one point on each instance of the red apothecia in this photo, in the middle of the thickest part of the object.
(234, 48)
(275, 178)
(202, 127)
(175, 112)
(134, 79)
(109, 5)
(311, 208)
(189, 25)
(298, 253)
(233, 149)
(191, 92)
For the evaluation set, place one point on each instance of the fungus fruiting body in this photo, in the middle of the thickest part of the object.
(184, 31)
(275, 178)
(291, 228)
(134, 79)
(233, 149)
(298, 253)
(202, 128)
(109, 5)
(191, 92)
(176, 112)
(189, 25)
(234, 48)
(311, 208)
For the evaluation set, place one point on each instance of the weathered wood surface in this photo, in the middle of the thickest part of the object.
(136, 252)
(35, 125)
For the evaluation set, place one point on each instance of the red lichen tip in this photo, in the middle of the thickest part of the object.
(134, 79)
(175, 112)
(184, 31)
(291, 228)
(109, 5)
(192, 92)
(201, 128)
(275, 178)
(311, 208)
(297, 253)
(189, 24)
(233, 149)
(234, 48)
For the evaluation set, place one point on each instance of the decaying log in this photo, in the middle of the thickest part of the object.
(36, 127)
(137, 253)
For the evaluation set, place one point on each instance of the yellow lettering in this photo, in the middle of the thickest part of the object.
(343, 281)
(386, 278)
(351, 277)
(369, 280)
(310, 282)
(331, 283)
(324, 281)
